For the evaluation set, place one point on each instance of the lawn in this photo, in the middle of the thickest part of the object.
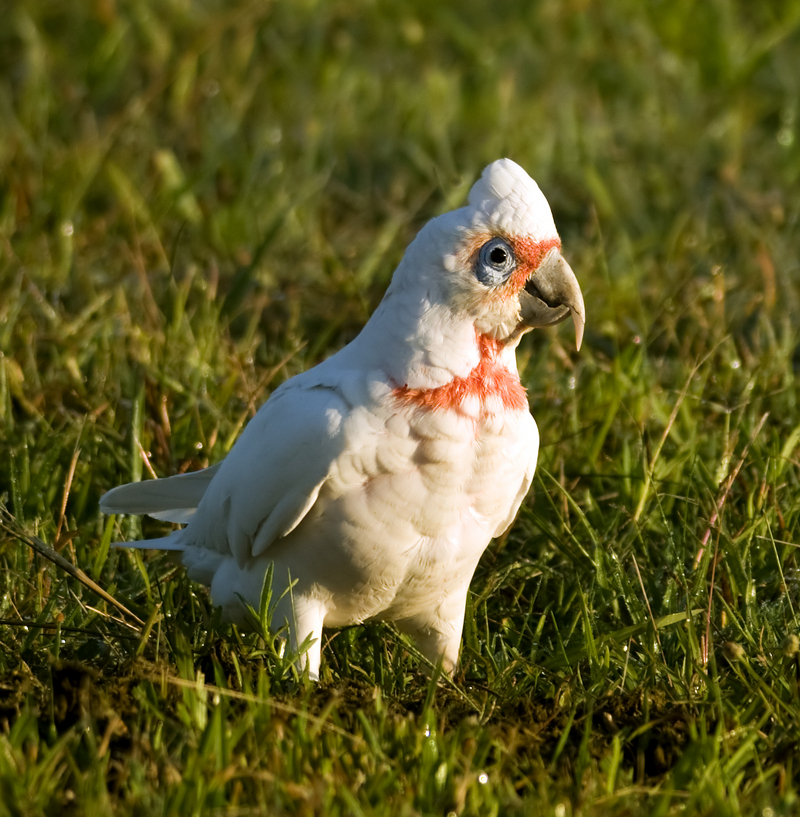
(199, 200)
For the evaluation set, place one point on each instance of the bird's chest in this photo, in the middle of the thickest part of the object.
(410, 474)
(417, 502)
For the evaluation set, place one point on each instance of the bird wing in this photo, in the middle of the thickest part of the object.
(273, 475)
(173, 499)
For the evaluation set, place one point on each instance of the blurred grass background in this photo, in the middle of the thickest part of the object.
(200, 199)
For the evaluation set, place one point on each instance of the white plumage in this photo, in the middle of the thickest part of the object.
(375, 480)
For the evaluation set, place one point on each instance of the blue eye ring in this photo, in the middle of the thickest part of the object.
(496, 262)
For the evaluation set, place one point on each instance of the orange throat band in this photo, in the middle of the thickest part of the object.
(490, 382)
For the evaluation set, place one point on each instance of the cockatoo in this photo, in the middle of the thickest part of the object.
(373, 482)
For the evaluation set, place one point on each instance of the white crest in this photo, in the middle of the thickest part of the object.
(508, 198)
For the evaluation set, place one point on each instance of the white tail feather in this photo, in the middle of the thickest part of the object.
(164, 543)
(173, 499)
(178, 515)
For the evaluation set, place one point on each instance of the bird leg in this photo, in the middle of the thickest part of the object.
(438, 641)
(303, 618)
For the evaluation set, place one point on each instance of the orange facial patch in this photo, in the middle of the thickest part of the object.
(489, 381)
(529, 255)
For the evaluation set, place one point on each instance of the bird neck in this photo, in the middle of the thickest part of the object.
(436, 358)
(492, 386)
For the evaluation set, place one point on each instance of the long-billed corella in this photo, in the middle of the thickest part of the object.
(373, 482)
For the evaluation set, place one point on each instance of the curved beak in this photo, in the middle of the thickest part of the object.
(551, 294)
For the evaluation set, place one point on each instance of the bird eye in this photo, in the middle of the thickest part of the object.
(498, 256)
(496, 262)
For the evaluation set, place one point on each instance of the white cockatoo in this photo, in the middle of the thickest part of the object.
(373, 482)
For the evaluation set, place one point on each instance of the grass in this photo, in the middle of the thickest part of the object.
(201, 199)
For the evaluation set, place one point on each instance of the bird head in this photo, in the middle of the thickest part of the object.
(498, 260)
